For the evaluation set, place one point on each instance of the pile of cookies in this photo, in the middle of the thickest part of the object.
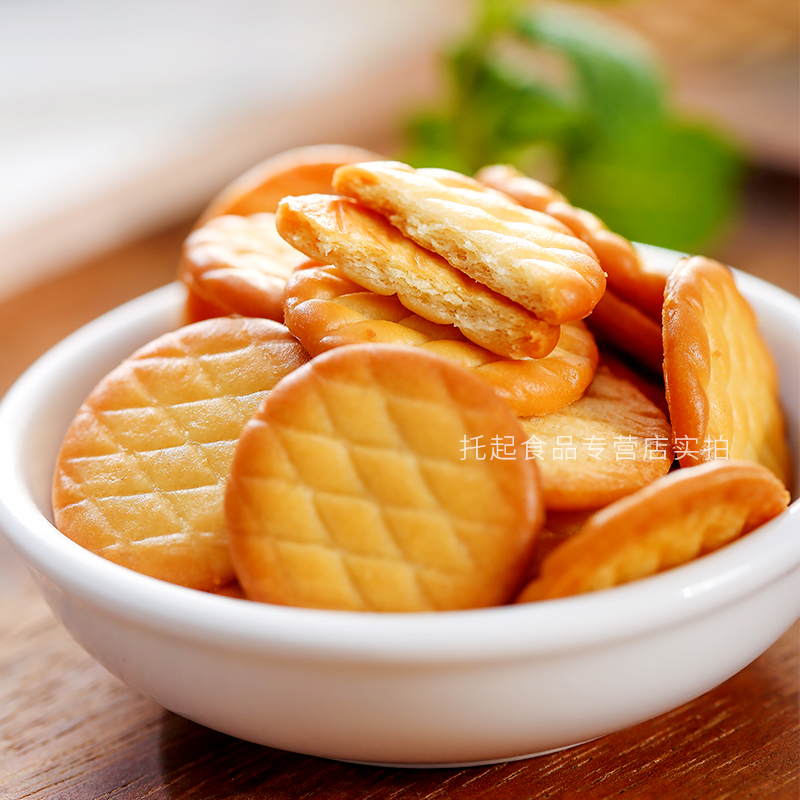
(405, 389)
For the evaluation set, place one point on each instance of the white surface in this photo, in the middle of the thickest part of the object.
(439, 688)
(117, 117)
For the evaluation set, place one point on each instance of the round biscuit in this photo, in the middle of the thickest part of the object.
(631, 279)
(141, 472)
(325, 309)
(365, 482)
(682, 516)
(607, 444)
(528, 257)
(367, 248)
(301, 170)
(621, 324)
(720, 377)
(237, 265)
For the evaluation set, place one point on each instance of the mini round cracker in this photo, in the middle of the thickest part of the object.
(607, 444)
(325, 310)
(721, 380)
(680, 517)
(237, 265)
(364, 482)
(528, 257)
(376, 255)
(631, 279)
(141, 472)
(299, 171)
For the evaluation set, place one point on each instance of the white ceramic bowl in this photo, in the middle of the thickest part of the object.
(440, 688)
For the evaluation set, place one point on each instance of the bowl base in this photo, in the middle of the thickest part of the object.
(459, 764)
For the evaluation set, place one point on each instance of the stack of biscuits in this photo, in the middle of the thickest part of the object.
(405, 389)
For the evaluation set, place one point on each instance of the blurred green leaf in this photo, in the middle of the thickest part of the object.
(502, 112)
(617, 77)
(609, 130)
(665, 182)
(431, 143)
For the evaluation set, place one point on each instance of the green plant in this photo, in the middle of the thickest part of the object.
(582, 105)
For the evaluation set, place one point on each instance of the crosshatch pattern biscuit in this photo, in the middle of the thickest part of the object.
(376, 255)
(301, 170)
(325, 309)
(237, 265)
(628, 274)
(141, 472)
(607, 444)
(721, 380)
(351, 488)
(529, 258)
(683, 515)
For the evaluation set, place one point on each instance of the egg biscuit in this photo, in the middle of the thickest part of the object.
(237, 265)
(721, 380)
(325, 309)
(629, 276)
(301, 170)
(528, 257)
(376, 255)
(682, 516)
(609, 443)
(364, 482)
(141, 473)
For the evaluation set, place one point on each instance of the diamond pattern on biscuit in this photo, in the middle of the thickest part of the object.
(497, 242)
(383, 526)
(141, 473)
(361, 243)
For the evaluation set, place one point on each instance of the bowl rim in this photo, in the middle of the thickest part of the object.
(582, 622)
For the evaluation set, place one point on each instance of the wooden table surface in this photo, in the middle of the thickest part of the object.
(69, 730)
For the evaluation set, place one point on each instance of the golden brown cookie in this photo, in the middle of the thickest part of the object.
(525, 190)
(325, 309)
(525, 256)
(721, 381)
(607, 444)
(373, 253)
(364, 482)
(301, 170)
(629, 276)
(237, 265)
(142, 469)
(683, 515)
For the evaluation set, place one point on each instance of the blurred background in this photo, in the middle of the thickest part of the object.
(676, 122)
